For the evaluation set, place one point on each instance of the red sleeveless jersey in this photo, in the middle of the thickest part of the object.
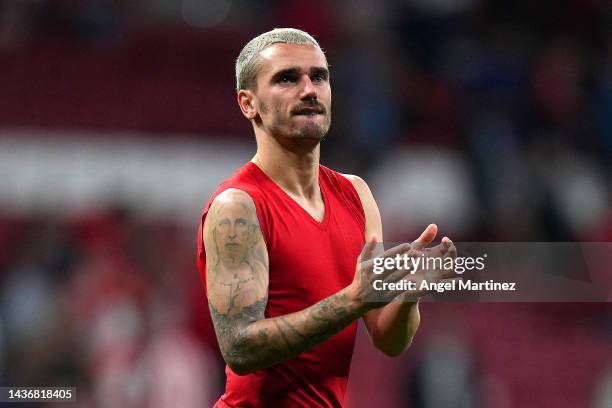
(308, 261)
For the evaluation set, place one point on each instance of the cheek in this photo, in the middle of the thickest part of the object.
(263, 108)
(326, 95)
(274, 104)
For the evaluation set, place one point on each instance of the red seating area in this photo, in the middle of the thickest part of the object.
(548, 354)
(179, 81)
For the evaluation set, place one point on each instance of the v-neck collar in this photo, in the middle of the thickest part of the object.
(326, 207)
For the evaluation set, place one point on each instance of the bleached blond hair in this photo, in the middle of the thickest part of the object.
(248, 61)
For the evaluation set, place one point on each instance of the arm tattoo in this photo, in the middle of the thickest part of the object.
(237, 282)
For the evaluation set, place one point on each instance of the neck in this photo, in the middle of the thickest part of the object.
(294, 170)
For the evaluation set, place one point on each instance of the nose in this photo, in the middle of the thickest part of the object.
(309, 91)
(232, 233)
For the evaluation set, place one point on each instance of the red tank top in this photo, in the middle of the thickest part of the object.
(308, 261)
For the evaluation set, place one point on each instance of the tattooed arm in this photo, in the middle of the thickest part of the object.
(237, 284)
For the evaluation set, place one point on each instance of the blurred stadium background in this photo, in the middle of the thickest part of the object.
(118, 119)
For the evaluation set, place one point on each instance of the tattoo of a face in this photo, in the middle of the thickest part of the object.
(235, 233)
(237, 267)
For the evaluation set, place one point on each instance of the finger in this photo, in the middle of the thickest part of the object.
(397, 264)
(369, 249)
(438, 250)
(411, 264)
(427, 236)
(445, 249)
(452, 250)
(407, 267)
(446, 243)
(397, 250)
(433, 275)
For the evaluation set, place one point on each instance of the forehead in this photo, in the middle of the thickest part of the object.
(281, 56)
(233, 210)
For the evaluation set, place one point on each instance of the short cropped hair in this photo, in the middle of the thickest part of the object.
(247, 63)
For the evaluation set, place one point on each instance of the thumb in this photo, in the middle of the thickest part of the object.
(427, 236)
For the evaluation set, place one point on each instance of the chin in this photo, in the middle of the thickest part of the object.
(315, 133)
(314, 130)
(306, 135)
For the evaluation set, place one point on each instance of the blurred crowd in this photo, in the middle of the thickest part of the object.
(109, 305)
(491, 118)
(519, 95)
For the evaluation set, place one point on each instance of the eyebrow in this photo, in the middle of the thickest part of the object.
(295, 71)
(320, 70)
(228, 220)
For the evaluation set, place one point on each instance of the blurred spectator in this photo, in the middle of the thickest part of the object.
(444, 377)
(602, 397)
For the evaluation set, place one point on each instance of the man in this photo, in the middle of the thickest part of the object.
(279, 243)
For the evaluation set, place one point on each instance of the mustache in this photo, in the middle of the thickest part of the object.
(309, 107)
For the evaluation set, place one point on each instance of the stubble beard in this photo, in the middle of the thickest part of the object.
(314, 132)
(308, 135)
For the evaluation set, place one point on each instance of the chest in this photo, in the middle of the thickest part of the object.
(314, 207)
(311, 260)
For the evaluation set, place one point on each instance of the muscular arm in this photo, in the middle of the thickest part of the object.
(392, 327)
(237, 285)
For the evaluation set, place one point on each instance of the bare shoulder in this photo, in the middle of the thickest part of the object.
(353, 178)
(372, 213)
(361, 186)
(233, 195)
(236, 254)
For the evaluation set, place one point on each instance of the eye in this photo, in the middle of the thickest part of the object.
(320, 77)
(223, 225)
(286, 79)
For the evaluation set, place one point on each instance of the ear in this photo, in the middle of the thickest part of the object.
(247, 104)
